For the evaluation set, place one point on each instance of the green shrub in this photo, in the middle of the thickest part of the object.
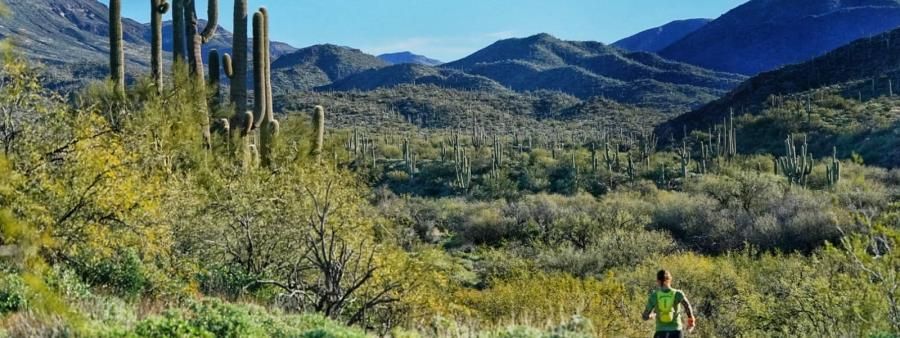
(13, 291)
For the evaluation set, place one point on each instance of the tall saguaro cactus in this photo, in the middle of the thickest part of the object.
(833, 170)
(213, 83)
(194, 37)
(157, 9)
(178, 31)
(238, 74)
(266, 123)
(319, 127)
(270, 111)
(259, 75)
(116, 51)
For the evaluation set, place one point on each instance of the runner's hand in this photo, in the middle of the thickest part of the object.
(691, 324)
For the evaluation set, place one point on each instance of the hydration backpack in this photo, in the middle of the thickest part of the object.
(665, 305)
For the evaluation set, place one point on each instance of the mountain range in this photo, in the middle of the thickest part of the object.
(655, 39)
(69, 38)
(763, 35)
(586, 68)
(319, 65)
(408, 57)
(864, 69)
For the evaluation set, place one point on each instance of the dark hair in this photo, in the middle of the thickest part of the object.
(663, 276)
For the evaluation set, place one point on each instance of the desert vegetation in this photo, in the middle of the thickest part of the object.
(161, 208)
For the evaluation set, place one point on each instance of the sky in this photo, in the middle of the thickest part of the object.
(451, 29)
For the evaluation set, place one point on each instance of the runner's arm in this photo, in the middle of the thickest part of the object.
(687, 307)
(651, 304)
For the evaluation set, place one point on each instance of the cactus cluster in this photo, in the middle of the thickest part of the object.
(795, 166)
(258, 128)
(462, 167)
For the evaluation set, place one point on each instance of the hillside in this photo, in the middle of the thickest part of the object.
(69, 39)
(587, 69)
(655, 39)
(864, 69)
(319, 65)
(433, 107)
(408, 73)
(762, 35)
(408, 57)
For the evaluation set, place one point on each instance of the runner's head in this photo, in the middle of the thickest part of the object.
(664, 278)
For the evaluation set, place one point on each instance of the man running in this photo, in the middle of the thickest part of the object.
(663, 304)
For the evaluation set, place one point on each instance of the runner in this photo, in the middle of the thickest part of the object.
(664, 305)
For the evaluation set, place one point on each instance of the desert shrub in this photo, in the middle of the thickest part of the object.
(211, 318)
(122, 273)
(720, 213)
(554, 298)
(616, 248)
(12, 293)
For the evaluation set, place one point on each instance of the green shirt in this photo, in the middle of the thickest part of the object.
(675, 325)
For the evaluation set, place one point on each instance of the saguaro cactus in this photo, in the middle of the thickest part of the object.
(685, 157)
(319, 127)
(238, 74)
(194, 37)
(269, 126)
(157, 9)
(212, 20)
(259, 75)
(795, 166)
(116, 51)
(268, 63)
(833, 170)
(213, 83)
(178, 31)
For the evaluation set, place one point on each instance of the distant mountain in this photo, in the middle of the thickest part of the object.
(762, 35)
(69, 37)
(655, 39)
(320, 65)
(587, 69)
(400, 74)
(221, 42)
(865, 69)
(408, 57)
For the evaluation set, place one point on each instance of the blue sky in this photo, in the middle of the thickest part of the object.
(451, 29)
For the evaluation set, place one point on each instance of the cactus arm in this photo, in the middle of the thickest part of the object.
(227, 66)
(212, 20)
